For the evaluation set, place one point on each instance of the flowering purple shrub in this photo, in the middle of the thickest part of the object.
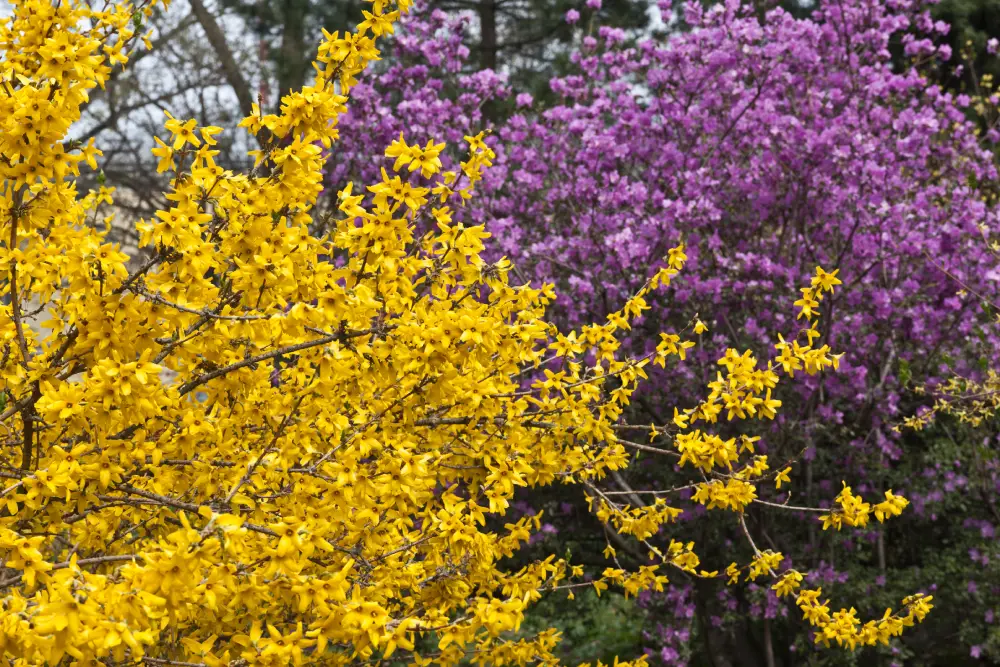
(770, 146)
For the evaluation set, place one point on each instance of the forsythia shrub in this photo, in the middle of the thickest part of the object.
(260, 446)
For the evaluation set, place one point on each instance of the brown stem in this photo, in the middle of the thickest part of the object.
(15, 300)
(294, 65)
(189, 386)
(6, 583)
(768, 645)
(274, 441)
(27, 409)
(230, 68)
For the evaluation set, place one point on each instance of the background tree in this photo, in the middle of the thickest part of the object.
(182, 73)
(973, 24)
(529, 40)
(288, 32)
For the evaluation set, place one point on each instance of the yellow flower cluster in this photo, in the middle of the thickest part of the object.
(853, 511)
(845, 629)
(730, 481)
(841, 627)
(640, 522)
(971, 401)
(745, 392)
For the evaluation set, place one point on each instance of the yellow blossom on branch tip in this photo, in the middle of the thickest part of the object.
(824, 281)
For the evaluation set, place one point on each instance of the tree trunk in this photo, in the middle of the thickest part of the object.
(488, 34)
(768, 644)
(293, 64)
(232, 72)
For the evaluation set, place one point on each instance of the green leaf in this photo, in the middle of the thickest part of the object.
(905, 373)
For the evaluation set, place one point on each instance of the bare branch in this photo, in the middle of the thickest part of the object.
(229, 65)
